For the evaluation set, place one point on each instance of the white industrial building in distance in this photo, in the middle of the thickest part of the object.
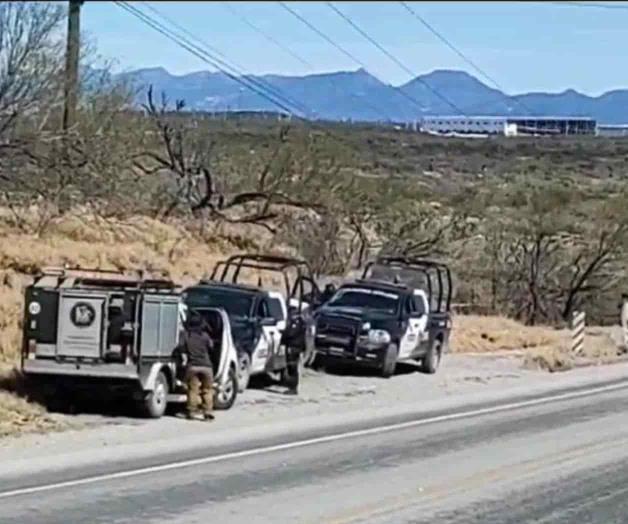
(508, 125)
(612, 130)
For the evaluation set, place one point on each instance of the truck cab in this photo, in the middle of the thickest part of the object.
(399, 311)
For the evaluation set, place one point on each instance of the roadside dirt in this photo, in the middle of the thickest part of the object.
(517, 356)
(321, 393)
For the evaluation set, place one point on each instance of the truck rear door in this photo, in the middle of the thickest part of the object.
(160, 325)
(80, 327)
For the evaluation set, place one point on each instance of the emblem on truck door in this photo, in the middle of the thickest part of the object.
(82, 314)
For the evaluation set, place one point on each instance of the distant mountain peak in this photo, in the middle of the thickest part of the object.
(358, 95)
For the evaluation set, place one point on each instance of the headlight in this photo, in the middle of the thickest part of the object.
(34, 308)
(379, 336)
(366, 326)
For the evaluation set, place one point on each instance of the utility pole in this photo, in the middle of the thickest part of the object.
(72, 63)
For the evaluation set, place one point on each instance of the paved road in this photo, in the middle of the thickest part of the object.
(564, 461)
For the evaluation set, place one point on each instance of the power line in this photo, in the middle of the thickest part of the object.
(462, 55)
(592, 4)
(302, 60)
(203, 55)
(258, 82)
(393, 57)
(266, 35)
(337, 46)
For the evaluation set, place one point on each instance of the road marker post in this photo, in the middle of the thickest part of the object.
(578, 325)
(623, 321)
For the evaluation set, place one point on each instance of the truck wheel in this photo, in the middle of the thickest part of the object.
(225, 398)
(157, 400)
(390, 361)
(431, 360)
(244, 371)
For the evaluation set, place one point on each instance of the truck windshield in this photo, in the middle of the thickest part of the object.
(367, 299)
(235, 302)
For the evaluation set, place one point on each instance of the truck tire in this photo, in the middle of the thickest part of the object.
(228, 394)
(244, 371)
(431, 360)
(156, 401)
(390, 361)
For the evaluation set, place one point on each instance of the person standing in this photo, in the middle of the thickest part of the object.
(197, 346)
(292, 371)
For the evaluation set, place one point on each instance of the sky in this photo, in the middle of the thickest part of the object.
(524, 46)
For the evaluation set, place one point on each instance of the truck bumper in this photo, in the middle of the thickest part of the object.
(364, 356)
(51, 367)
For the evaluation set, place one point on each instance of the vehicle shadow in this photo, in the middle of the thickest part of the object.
(75, 403)
(344, 370)
(268, 384)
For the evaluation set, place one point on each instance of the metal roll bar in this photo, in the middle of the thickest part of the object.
(431, 269)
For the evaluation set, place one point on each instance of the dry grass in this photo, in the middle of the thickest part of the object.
(542, 347)
(599, 348)
(19, 415)
(488, 334)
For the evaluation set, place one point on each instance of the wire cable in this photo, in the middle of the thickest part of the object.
(258, 82)
(360, 98)
(352, 57)
(591, 4)
(462, 55)
(394, 58)
(203, 55)
(267, 36)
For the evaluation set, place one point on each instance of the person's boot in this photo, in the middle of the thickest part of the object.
(209, 416)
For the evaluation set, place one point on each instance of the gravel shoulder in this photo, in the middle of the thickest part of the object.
(325, 399)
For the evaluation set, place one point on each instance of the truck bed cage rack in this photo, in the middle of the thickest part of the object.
(80, 276)
(273, 263)
(429, 268)
(382, 282)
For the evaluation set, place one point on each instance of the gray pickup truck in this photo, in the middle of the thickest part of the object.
(95, 332)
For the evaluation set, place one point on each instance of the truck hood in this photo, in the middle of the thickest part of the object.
(361, 314)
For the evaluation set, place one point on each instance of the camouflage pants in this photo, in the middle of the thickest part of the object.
(199, 381)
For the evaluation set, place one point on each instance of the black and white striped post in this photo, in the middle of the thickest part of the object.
(624, 320)
(578, 324)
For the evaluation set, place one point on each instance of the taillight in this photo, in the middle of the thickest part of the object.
(31, 348)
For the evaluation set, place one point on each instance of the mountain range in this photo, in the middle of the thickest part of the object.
(359, 96)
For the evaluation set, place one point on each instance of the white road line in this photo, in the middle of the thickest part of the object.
(309, 442)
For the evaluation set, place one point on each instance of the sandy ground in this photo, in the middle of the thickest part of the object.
(333, 390)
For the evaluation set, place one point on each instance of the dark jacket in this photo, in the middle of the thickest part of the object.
(198, 346)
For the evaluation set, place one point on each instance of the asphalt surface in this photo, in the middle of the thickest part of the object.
(563, 461)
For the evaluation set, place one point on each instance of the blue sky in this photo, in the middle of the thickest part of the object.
(525, 46)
